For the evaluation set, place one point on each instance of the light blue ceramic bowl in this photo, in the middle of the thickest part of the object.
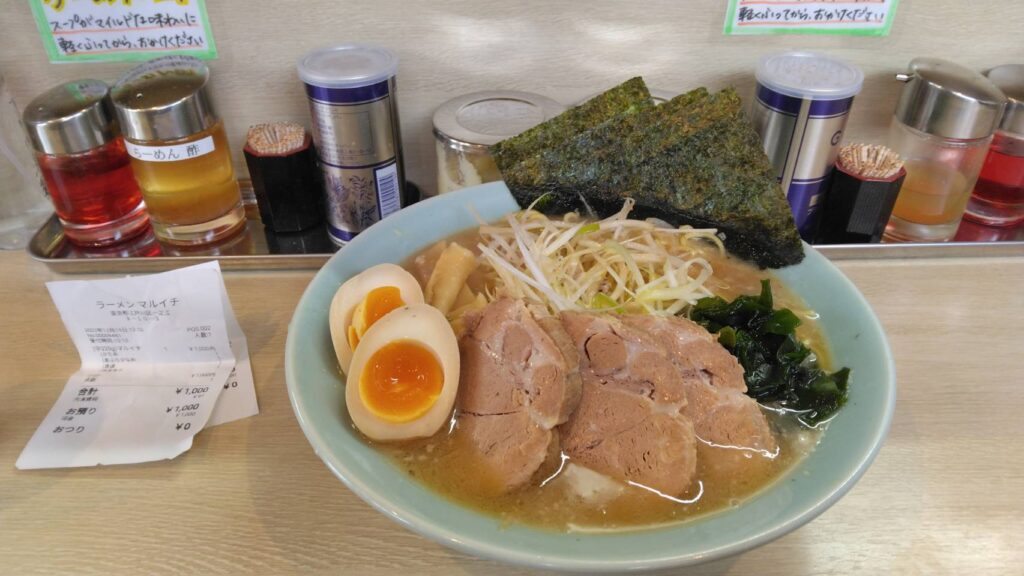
(847, 449)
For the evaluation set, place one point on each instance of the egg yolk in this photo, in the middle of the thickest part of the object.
(401, 381)
(374, 306)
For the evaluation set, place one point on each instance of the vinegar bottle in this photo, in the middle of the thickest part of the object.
(179, 151)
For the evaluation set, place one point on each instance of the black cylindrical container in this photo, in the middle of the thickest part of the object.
(282, 165)
(856, 208)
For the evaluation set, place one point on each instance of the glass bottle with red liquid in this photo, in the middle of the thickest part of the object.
(84, 163)
(998, 197)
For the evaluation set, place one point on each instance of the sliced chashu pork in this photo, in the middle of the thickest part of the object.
(630, 423)
(670, 374)
(721, 411)
(520, 380)
(735, 437)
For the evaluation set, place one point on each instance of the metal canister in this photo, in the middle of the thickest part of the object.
(351, 91)
(800, 110)
(467, 126)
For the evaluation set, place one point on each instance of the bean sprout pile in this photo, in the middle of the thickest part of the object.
(615, 264)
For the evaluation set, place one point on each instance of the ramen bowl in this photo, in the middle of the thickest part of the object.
(317, 394)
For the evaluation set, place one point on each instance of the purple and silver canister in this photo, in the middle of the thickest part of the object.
(353, 105)
(800, 111)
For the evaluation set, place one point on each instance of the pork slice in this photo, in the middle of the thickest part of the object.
(722, 414)
(623, 357)
(557, 392)
(512, 446)
(619, 434)
(629, 424)
(520, 379)
(692, 347)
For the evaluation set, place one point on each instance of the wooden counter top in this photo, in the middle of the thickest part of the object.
(945, 496)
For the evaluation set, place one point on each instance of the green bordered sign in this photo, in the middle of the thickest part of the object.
(119, 30)
(854, 18)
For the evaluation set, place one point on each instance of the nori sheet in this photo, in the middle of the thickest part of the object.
(693, 160)
(626, 98)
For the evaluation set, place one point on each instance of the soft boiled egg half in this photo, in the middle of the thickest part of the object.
(404, 375)
(363, 300)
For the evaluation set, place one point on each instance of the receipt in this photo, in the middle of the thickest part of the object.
(162, 357)
(238, 396)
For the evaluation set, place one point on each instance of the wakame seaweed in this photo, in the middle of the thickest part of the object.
(778, 368)
(693, 160)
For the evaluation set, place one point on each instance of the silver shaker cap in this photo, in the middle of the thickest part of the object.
(1010, 79)
(164, 99)
(948, 100)
(486, 118)
(71, 118)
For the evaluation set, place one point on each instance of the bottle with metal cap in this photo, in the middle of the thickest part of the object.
(943, 124)
(83, 161)
(467, 126)
(998, 197)
(179, 151)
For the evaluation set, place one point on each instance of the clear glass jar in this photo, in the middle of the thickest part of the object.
(461, 165)
(944, 121)
(83, 161)
(998, 198)
(940, 175)
(466, 127)
(23, 205)
(190, 192)
(179, 151)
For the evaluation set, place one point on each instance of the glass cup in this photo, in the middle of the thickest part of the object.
(23, 203)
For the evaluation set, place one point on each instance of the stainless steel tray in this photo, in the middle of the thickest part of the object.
(256, 248)
(971, 240)
(260, 249)
(253, 249)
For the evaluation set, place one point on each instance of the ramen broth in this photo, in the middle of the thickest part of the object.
(446, 463)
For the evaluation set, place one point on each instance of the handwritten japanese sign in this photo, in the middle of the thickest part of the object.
(112, 30)
(851, 17)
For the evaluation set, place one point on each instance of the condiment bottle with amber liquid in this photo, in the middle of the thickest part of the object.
(83, 161)
(179, 151)
(942, 127)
